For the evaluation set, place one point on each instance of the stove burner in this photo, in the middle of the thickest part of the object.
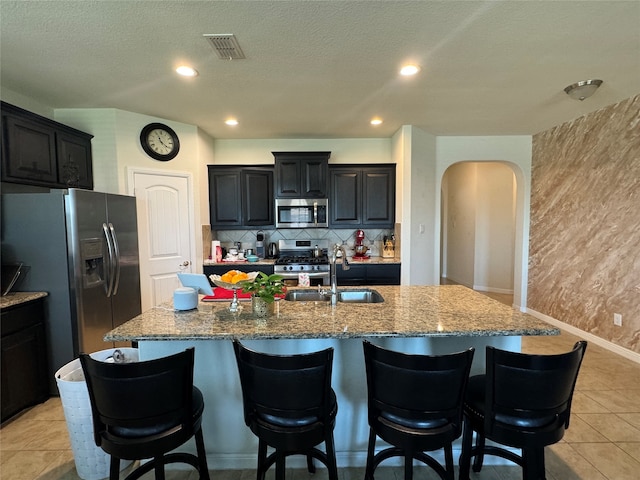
(296, 259)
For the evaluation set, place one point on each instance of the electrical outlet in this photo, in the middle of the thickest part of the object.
(617, 319)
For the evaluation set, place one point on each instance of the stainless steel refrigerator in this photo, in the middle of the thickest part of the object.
(82, 248)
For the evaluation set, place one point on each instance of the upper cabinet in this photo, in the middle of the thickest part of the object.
(301, 174)
(240, 196)
(39, 151)
(362, 195)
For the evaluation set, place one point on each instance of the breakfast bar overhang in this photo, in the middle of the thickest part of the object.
(412, 319)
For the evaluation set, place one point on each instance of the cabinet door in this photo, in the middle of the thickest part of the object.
(355, 276)
(23, 370)
(74, 160)
(288, 178)
(314, 178)
(345, 198)
(301, 174)
(29, 152)
(225, 197)
(378, 197)
(258, 197)
(383, 274)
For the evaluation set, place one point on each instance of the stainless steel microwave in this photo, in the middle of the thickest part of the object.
(302, 212)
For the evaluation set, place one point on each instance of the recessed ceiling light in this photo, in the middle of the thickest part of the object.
(376, 121)
(408, 70)
(232, 122)
(186, 71)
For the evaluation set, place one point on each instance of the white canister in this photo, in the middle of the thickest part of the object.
(185, 298)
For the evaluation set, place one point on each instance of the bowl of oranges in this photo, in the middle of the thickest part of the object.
(233, 279)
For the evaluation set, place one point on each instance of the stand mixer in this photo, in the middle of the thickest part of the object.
(359, 247)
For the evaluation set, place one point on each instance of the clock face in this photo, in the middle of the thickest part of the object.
(159, 141)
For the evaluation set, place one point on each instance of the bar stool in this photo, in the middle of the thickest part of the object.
(289, 405)
(144, 410)
(523, 401)
(414, 404)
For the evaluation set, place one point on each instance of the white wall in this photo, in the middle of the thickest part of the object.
(343, 150)
(495, 228)
(462, 182)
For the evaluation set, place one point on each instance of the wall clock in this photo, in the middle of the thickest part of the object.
(159, 141)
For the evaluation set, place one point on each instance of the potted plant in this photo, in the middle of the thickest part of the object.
(264, 289)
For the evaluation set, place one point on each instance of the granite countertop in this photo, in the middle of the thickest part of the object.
(270, 261)
(407, 311)
(17, 298)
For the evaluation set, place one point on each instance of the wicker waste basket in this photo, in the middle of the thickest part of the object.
(92, 463)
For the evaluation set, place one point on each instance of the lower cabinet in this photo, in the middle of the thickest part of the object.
(24, 358)
(370, 274)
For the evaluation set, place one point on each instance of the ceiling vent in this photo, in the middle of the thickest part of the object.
(226, 45)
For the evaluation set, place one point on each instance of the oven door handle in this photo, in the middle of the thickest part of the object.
(295, 274)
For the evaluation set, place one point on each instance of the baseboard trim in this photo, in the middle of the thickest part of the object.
(482, 288)
(617, 349)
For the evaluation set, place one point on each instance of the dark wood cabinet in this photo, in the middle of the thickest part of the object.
(362, 195)
(39, 151)
(25, 379)
(301, 174)
(240, 196)
(368, 274)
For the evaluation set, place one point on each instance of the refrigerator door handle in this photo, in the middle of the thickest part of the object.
(110, 260)
(116, 266)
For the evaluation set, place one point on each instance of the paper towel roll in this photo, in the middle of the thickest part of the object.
(216, 251)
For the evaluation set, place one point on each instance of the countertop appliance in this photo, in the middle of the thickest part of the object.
(82, 248)
(296, 256)
(273, 250)
(302, 212)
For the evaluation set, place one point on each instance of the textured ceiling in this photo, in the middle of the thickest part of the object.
(322, 69)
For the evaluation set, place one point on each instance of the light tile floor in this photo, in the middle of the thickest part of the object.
(602, 443)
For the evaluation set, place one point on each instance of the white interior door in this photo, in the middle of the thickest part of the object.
(165, 232)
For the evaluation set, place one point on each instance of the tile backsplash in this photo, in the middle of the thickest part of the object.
(373, 237)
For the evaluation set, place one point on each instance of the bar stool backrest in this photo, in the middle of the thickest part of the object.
(530, 392)
(285, 389)
(130, 399)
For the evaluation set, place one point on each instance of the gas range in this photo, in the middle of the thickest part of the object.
(296, 256)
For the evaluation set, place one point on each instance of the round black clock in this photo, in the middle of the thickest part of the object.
(159, 141)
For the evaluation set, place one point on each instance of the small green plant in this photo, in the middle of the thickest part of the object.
(265, 286)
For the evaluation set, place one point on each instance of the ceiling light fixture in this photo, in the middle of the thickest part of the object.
(409, 70)
(582, 90)
(376, 121)
(232, 122)
(186, 71)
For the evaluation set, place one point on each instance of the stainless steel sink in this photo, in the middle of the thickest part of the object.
(363, 295)
(306, 296)
(360, 296)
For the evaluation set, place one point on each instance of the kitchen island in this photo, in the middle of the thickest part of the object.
(418, 319)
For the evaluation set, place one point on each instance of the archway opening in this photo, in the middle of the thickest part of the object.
(478, 227)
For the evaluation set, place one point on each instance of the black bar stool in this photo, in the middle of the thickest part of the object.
(415, 404)
(144, 410)
(523, 401)
(289, 405)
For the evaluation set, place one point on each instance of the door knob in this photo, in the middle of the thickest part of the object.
(186, 263)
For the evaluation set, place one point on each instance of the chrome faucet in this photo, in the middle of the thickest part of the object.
(333, 257)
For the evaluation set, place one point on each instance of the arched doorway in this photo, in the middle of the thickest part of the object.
(478, 227)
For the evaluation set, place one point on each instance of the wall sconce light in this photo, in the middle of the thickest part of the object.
(582, 90)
